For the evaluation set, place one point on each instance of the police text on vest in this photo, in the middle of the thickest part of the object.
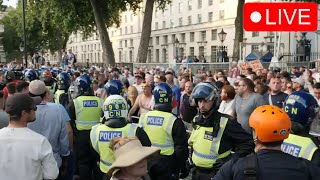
(107, 136)
(155, 120)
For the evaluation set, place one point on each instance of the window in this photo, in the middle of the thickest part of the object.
(150, 41)
(156, 25)
(170, 9)
(221, 14)
(210, 16)
(165, 39)
(255, 48)
(120, 56)
(214, 34)
(112, 33)
(270, 48)
(131, 29)
(192, 37)
(164, 24)
(130, 56)
(156, 13)
(157, 55)
(199, 4)
(95, 46)
(183, 38)
(199, 18)
(120, 31)
(191, 49)
(189, 5)
(98, 57)
(131, 42)
(179, 7)
(125, 18)
(125, 30)
(171, 23)
(255, 34)
(214, 53)
(173, 38)
(203, 36)
(180, 21)
(157, 40)
(201, 51)
(125, 43)
(210, 2)
(131, 17)
(189, 20)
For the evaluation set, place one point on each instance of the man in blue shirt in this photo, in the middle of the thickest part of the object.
(51, 123)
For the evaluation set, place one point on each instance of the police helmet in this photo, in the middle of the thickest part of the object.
(71, 93)
(114, 87)
(83, 85)
(30, 75)
(9, 75)
(115, 107)
(162, 95)
(301, 107)
(63, 81)
(208, 91)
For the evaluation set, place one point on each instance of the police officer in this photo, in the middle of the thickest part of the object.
(48, 80)
(114, 124)
(168, 133)
(113, 87)
(214, 134)
(63, 84)
(302, 109)
(30, 75)
(271, 125)
(85, 111)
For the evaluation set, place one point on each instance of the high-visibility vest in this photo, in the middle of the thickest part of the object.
(101, 136)
(206, 147)
(299, 146)
(88, 111)
(158, 125)
(57, 96)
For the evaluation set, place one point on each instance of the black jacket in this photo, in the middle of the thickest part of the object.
(271, 164)
(234, 136)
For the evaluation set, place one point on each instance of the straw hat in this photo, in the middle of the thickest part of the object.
(130, 152)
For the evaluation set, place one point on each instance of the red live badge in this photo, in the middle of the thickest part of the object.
(279, 16)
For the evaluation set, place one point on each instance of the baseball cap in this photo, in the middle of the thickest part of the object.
(299, 81)
(37, 87)
(19, 102)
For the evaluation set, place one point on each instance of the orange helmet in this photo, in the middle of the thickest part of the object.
(271, 124)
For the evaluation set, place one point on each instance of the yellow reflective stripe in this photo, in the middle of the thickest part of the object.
(78, 111)
(216, 141)
(132, 130)
(94, 141)
(307, 154)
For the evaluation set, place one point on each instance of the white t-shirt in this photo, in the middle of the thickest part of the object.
(226, 107)
(26, 155)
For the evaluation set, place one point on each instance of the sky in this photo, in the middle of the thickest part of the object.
(10, 2)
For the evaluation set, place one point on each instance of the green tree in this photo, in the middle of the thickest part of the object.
(10, 38)
(146, 27)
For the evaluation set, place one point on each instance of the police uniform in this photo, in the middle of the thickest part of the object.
(168, 133)
(50, 85)
(212, 140)
(85, 112)
(271, 165)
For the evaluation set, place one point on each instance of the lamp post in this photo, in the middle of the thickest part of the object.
(24, 32)
(222, 36)
(176, 44)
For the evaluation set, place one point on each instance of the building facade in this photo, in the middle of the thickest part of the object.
(185, 28)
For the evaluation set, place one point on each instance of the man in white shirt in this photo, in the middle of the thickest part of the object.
(25, 154)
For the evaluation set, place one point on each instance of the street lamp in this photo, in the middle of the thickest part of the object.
(176, 43)
(222, 36)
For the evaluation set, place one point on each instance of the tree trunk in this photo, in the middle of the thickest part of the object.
(146, 32)
(65, 41)
(238, 31)
(107, 54)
